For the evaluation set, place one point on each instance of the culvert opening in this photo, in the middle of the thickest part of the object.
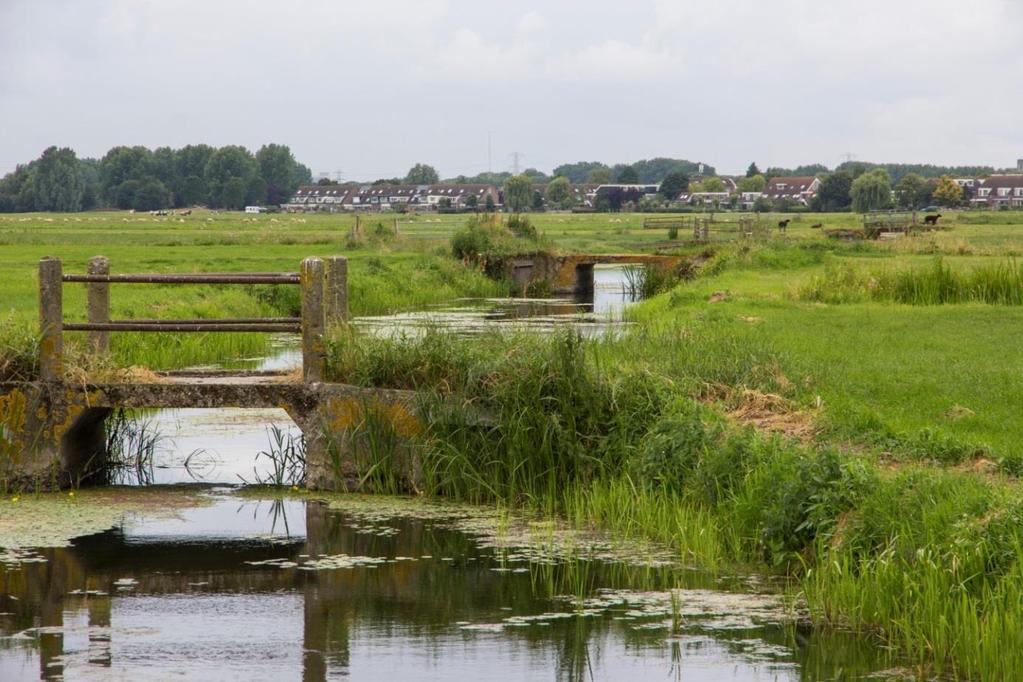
(225, 446)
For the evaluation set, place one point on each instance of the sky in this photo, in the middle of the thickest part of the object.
(368, 89)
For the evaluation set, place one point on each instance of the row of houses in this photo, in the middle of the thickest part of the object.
(797, 190)
(334, 198)
(994, 191)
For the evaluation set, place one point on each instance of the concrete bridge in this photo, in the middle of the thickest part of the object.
(52, 431)
(573, 274)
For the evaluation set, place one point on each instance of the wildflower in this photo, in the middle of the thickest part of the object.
(71, 493)
(15, 498)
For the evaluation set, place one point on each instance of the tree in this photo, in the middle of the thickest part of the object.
(150, 194)
(713, 184)
(190, 168)
(871, 191)
(121, 164)
(948, 193)
(489, 205)
(229, 175)
(535, 175)
(163, 166)
(674, 183)
(518, 193)
(12, 187)
(472, 201)
(422, 174)
(277, 169)
(302, 175)
(834, 193)
(599, 176)
(191, 191)
(57, 181)
(912, 192)
(627, 175)
(752, 183)
(559, 193)
(124, 194)
(92, 192)
(752, 170)
(581, 171)
(232, 193)
(655, 170)
(537, 203)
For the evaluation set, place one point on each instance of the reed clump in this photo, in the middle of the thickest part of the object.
(19, 352)
(937, 284)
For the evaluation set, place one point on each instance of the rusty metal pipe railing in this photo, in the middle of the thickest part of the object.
(182, 327)
(324, 298)
(212, 278)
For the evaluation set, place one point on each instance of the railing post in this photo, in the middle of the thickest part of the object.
(313, 350)
(51, 319)
(336, 292)
(98, 302)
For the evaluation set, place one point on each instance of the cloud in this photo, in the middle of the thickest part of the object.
(785, 82)
(532, 22)
(613, 60)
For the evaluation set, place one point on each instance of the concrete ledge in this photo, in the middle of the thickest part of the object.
(49, 432)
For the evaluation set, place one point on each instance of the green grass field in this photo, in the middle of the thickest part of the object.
(844, 411)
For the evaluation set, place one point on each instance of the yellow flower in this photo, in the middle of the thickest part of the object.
(71, 494)
(15, 498)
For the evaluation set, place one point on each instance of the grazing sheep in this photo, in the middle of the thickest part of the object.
(932, 219)
(188, 212)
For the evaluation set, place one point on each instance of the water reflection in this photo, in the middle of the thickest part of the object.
(192, 596)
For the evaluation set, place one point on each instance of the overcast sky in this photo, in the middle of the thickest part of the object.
(369, 88)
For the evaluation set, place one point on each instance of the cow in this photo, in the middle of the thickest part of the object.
(817, 226)
(783, 225)
(932, 219)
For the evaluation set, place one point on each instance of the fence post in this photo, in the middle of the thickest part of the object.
(98, 304)
(336, 291)
(313, 351)
(51, 319)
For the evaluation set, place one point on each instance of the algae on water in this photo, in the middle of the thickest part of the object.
(55, 519)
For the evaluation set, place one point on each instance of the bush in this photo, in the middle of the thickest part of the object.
(521, 227)
(673, 449)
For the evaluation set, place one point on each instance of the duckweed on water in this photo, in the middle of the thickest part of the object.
(54, 519)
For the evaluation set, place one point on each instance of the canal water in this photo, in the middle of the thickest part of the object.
(232, 586)
(222, 446)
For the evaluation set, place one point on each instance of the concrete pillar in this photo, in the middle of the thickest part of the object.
(313, 350)
(584, 280)
(51, 319)
(98, 305)
(336, 291)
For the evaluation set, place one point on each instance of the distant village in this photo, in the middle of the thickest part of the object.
(722, 192)
(234, 178)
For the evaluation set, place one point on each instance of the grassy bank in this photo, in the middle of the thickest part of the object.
(924, 558)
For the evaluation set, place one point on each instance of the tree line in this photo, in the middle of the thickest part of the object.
(139, 178)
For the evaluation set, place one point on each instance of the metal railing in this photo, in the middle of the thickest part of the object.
(324, 296)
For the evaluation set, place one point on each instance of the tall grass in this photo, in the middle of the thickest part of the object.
(131, 443)
(937, 284)
(928, 561)
(19, 352)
